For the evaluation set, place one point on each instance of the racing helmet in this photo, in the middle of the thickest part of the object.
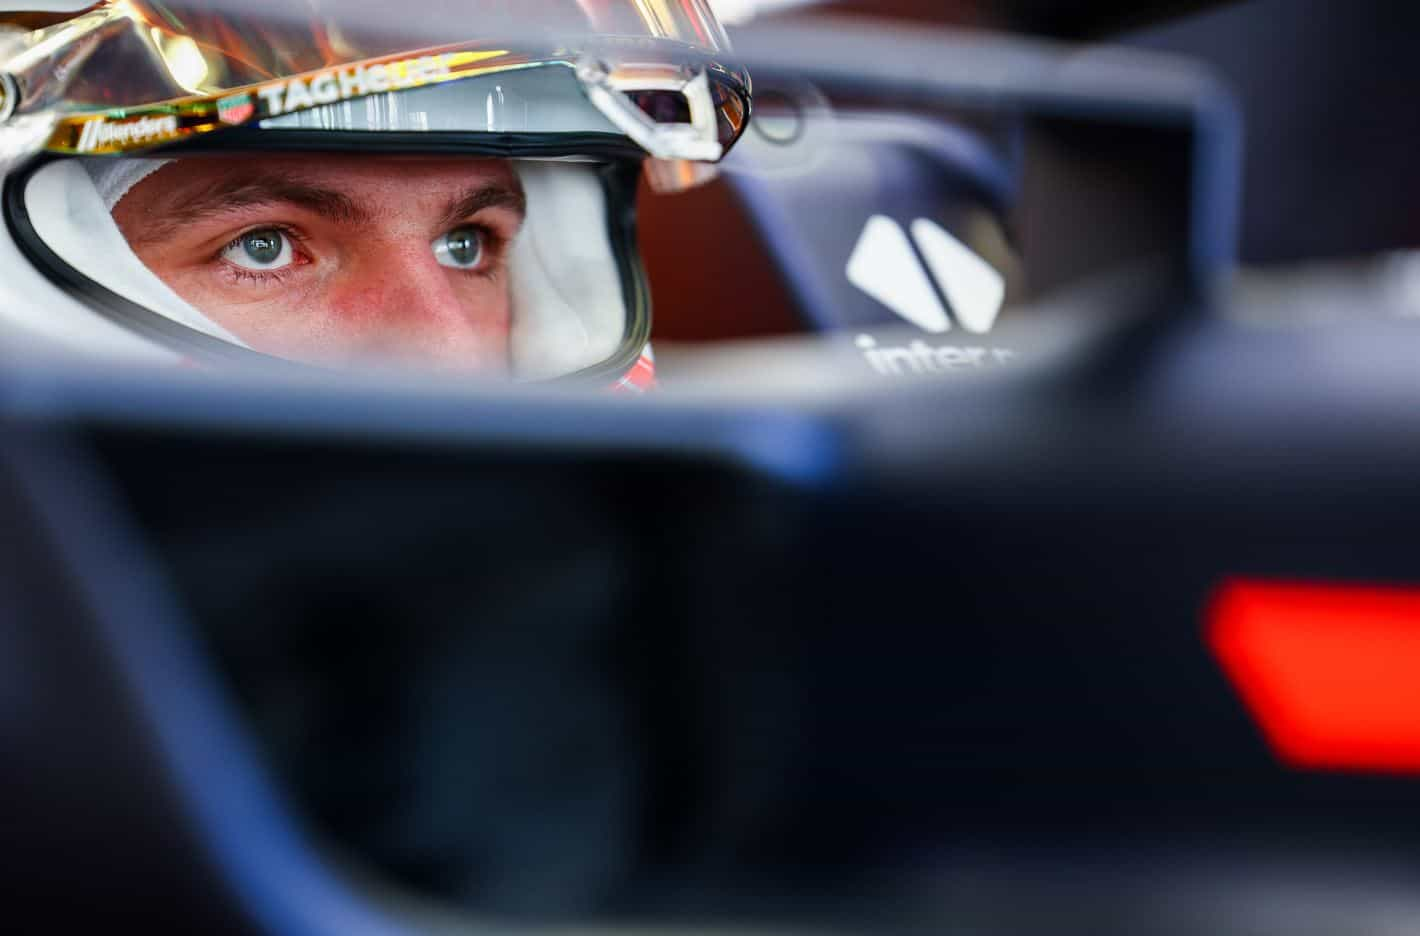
(128, 124)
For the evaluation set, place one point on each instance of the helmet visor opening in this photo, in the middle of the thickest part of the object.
(517, 268)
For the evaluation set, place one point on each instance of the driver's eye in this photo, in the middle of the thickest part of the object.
(264, 249)
(461, 248)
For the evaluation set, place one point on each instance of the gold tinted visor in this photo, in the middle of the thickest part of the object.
(128, 76)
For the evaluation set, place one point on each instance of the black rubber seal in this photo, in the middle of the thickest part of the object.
(594, 145)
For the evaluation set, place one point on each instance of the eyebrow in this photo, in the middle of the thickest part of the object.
(265, 188)
(246, 191)
(482, 197)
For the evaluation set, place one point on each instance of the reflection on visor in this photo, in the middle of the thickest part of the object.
(257, 40)
(130, 76)
(662, 106)
(129, 53)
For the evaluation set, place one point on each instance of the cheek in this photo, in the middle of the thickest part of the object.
(270, 318)
(437, 315)
(486, 301)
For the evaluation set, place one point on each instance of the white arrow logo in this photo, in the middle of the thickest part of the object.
(885, 267)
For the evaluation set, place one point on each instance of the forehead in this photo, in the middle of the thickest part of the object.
(407, 180)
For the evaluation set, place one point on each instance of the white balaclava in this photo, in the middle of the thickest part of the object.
(114, 178)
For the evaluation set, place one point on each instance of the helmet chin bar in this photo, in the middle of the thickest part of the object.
(578, 302)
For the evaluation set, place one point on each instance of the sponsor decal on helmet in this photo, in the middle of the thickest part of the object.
(341, 84)
(103, 134)
(236, 109)
(136, 128)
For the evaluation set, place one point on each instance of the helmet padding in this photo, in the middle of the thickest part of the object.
(568, 307)
(73, 219)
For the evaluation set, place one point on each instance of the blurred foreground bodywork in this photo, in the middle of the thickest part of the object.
(905, 665)
(282, 655)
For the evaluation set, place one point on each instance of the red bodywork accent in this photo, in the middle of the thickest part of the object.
(1331, 673)
(640, 378)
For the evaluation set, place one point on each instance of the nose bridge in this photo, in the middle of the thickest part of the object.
(406, 304)
(411, 286)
